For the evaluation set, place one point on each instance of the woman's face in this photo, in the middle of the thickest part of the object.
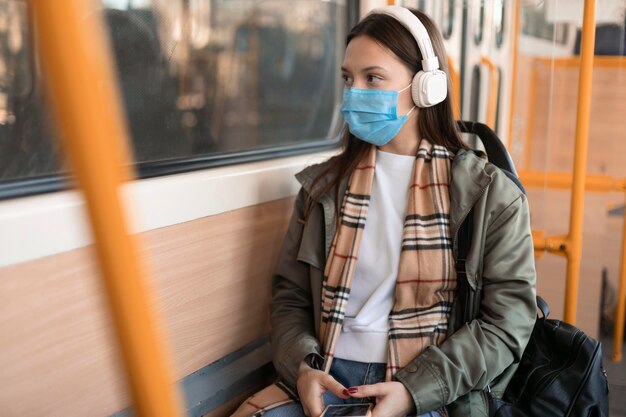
(368, 65)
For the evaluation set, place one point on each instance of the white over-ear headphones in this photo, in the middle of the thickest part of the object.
(430, 86)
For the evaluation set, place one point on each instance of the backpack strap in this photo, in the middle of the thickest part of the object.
(463, 290)
(543, 306)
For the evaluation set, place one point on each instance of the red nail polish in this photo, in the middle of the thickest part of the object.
(345, 392)
(353, 390)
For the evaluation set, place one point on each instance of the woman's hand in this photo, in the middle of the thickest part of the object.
(311, 385)
(392, 398)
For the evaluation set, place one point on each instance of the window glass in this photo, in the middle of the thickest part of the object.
(26, 146)
(534, 24)
(498, 21)
(201, 80)
(478, 20)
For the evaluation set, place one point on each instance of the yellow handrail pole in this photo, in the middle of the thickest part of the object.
(508, 141)
(572, 62)
(580, 161)
(564, 180)
(494, 82)
(455, 88)
(618, 331)
(87, 107)
(530, 115)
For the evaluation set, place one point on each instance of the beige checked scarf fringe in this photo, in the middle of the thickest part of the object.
(426, 281)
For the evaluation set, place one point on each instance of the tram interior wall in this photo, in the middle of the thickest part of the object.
(211, 288)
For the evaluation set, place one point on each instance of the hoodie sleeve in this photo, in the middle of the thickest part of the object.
(291, 311)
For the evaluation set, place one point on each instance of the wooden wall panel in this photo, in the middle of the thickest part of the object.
(211, 285)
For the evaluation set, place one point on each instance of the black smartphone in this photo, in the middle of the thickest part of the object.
(347, 410)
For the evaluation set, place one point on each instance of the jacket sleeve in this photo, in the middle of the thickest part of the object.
(482, 349)
(291, 310)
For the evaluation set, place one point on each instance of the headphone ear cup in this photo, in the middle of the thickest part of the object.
(429, 88)
(415, 89)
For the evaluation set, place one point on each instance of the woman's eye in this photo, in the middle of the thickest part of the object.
(373, 79)
(347, 80)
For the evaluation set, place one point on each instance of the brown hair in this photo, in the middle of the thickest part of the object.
(435, 123)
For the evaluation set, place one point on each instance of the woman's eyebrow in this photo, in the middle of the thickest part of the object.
(366, 69)
(373, 67)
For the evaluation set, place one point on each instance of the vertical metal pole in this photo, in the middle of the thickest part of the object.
(580, 161)
(492, 100)
(455, 88)
(618, 331)
(530, 116)
(508, 141)
(87, 109)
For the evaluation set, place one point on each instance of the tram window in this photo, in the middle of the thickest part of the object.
(447, 18)
(26, 146)
(204, 83)
(498, 21)
(478, 8)
(610, 40)
(534, 23)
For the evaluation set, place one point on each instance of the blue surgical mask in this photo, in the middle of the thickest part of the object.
(372, 115)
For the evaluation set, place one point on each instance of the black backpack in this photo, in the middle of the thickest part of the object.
(560, 373)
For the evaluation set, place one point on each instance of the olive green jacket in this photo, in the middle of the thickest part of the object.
(500, 269)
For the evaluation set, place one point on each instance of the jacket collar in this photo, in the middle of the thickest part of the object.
(307, 176)
(469, 180)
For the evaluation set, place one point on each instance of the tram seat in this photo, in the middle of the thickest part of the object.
(496, 152)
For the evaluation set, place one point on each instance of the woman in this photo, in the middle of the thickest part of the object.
(363, 304)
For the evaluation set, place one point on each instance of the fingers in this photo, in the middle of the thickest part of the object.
(335, 387)
(362, 391)
(311, 387)
(392, 399)
(312, 405)
(310, 392)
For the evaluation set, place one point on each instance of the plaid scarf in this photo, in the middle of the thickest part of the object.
(426, 280)
(426, 276)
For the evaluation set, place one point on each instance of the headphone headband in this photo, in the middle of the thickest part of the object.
(417, 29)
(430, 85)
